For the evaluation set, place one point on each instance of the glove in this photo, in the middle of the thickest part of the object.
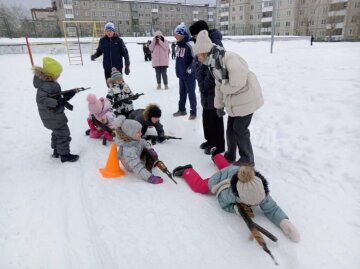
(153, 153)
(189, 70)
(92, 58)
(127, 70)
(155, 179)
(290, 230)
(220, 112)
(161, 139)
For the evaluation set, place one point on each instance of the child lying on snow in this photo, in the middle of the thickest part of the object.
(131, 148)
(239, 185)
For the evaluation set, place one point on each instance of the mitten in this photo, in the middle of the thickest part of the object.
(189, 70)
(153, 153)
(161, 139)
(155, 179)
(127, 70)
(220, 112)
(290, 230)
(92, 57)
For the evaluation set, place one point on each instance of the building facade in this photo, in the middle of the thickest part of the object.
(135, 18)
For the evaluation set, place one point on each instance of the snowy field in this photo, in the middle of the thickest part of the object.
(305, 139)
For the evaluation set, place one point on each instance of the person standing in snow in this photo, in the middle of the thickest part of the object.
(237, 89)
(119, 90)
(159, 48)
(173, 51)
(213, 125)
(131, 148)
(50, 104)
(185, 71)
(234, 184)
(114, 50)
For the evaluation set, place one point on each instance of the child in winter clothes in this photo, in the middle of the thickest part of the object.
(234, 185)
(119, 90)
(149, 117)
(185, 71)
(51, 108)
(131, 146)
(101, 114)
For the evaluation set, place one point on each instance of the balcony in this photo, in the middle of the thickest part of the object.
(224, 23)
(338, 1)
(339, 25)
(154, 10)
(224, 14)
(267, 19)
(195, 12)
(266, 30)
(337, 13)
(267, 9)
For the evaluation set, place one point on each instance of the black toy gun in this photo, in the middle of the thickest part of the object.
(64, 100)
(155, 138)
(127, 100)
(103, 127)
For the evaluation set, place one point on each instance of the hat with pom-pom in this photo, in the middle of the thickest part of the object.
(115, 74)
(98, 107)
(51, 67)
(249, 187)
(181, 29)
(110, 26)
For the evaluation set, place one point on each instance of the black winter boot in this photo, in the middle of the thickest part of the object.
(55, 154)
(178, 171)
(204, 145)
(212, 151)
(69, 158)
(228, 157)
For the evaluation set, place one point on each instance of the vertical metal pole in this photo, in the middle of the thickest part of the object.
(29, 50)
(273, 25)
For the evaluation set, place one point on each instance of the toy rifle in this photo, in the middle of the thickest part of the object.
(103, 127)
(159, 164)
(255, 229)
(127, 100)
(155, 138)
(61, 96)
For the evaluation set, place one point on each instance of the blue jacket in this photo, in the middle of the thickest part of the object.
(185, 59)
(227, 199)
(204, 78)
(114, 50)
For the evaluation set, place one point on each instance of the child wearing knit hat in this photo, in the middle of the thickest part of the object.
(130, 149)
(50, 102)
(119, 90)
(234, 184)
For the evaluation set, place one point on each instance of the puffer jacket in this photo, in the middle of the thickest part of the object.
(159, 51)
(50, 109)
(141, 115)
(129, 154)
(240, 93)
(219, 184)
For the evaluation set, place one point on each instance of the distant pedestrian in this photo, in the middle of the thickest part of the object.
(147, 52)
(311, 40)
(173, 51)
(114, 50)
(159, 48)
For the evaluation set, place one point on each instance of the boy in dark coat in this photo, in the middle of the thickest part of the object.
(149, 117)
(51, 109)
(185, 71)
(114, 49)
(212, 124)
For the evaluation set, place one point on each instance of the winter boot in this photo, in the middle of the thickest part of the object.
(69, 158)
(192, 117)
(212, 151)
(179, 113)
(55, 154)
(87, 132)
(228, 157)
(178, 171)
(204, 145)
(158, 87)
(166, 87)
(244, 163)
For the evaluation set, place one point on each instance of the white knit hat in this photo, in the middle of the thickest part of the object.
(250, 188)
(203, 43)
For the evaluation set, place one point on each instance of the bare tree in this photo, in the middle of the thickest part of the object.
(10, 19)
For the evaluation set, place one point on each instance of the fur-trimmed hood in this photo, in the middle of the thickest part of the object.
(41, 74)
(147, 110)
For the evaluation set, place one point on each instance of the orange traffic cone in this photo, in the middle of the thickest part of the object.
(112, 168)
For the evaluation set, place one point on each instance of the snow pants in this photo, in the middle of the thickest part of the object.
(95, 133)
(60, 139)
(161, 72)
(195, 181)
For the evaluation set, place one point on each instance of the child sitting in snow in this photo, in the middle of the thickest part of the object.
(131, 147)
(101, 115)
(149, 117)
(234, 185)
(51, 109)
(119, 90)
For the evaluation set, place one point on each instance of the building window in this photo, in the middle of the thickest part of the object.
(241, 8)
(241, 18)
(102, 4)
(287, 24)
(251, 17)
(288, 13)
(94, 4)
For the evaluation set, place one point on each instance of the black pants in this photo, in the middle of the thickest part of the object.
(213, 129)
(161, 72)
(238, 135)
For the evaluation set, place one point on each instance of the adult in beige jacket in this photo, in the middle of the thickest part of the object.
(237, 90)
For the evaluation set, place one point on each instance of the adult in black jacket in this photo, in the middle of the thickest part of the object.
(213, 125)
(114, 49)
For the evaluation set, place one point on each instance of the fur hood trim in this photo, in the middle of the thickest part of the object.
(147, 110)
(41, 74)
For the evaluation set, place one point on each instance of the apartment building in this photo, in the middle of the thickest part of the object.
(324, 19)
(135, 18)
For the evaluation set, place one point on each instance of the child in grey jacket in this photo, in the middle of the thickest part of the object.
(50, 102)
(131, 146)
(233, 185)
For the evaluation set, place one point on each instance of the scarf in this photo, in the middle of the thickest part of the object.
(215, 60)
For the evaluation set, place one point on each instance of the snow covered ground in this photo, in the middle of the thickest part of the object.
(305, 139)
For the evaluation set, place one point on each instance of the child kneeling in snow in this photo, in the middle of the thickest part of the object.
(131, 148)
(101, 115)
(234, 185)
(119, 90)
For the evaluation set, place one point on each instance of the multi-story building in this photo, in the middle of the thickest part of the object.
(324, 19)
(135, 18)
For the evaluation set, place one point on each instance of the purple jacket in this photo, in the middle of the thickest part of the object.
(159, 51)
